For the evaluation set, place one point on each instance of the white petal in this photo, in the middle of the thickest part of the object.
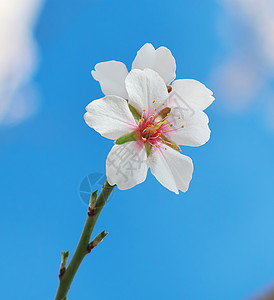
(126, 165)
(111, 76)
(160, 60)
(144, 87)
(191, 93)
(145, 58)
(165, 64)
(195, 131)
(110, 116)
(171, 168)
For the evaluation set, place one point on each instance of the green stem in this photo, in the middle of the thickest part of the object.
(81, 250)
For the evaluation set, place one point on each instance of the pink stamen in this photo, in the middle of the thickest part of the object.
(150, 131)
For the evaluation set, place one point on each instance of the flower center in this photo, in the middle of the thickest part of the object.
(153, 127)
(150, 131)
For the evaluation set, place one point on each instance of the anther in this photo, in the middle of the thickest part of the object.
(169, 88)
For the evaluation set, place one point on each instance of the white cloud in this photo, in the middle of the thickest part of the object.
(247, 30)
(18, 59)
(259, 17)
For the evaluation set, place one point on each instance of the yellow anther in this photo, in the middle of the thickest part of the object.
(153, 101)
(155, 109)
(179, 118)
(159, 133)
(144, 110)
(161, 123)
(168, 114)
(144, 139)
(165, 129)
(156, 146)
(153, 115)
(172, 145)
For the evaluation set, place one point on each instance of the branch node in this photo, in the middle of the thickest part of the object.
(97, 240)
(64, 260)
(92, 204)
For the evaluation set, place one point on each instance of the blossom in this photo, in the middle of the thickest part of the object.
(112, 74)
(148, 128)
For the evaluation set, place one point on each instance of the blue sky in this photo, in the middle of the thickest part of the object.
(213, 242)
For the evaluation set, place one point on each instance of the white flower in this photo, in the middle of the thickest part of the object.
(148, 131)
(188, 92)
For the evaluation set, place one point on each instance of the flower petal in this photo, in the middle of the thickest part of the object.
(171, 168)
(110, 116)
(126, 165)
(159, 60)
(165, 64)
(144, 88)
(190, 128)
(145, 57)
(192, 93)
(111, 76)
